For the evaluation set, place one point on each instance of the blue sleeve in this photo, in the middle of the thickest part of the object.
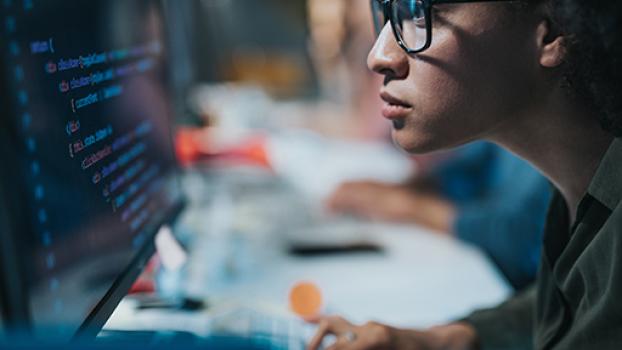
(508, 222)
(467, 174)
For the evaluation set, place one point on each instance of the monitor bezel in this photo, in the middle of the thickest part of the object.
(15, 308)
(94, 322)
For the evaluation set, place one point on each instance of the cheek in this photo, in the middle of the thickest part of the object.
(475, 77)
(446, 97)
(439, 96)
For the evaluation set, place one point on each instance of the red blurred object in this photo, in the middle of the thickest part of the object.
(142, 286)
(194, 145)
(188, 145)
(146, 281)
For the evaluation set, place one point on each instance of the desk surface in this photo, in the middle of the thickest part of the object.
(421, 278)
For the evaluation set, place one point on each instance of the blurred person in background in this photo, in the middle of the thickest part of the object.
(482, 194)
(339, 39)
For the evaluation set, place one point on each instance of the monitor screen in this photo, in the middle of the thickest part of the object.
(90, 169)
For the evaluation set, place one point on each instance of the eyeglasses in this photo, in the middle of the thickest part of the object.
(411, 20)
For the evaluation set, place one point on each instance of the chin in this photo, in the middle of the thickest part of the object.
(417, 142)
(413, 142)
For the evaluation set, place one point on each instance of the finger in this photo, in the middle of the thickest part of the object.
(349, 189)
(337, 198)
(316, 319)
(333, 321)
(328, 325)
(341, 344)
(322, 331)
(333, 203)
(342, 202)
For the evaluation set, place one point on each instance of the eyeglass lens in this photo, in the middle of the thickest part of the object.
(411, 23)
(409, 19)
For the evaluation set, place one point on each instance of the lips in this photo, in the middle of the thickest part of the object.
(393, 107)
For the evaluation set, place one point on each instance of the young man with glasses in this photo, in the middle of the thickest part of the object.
(541, 79)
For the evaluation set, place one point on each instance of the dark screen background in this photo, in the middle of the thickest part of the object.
(89, 111)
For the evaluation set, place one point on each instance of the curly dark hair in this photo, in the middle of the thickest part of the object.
(593, 68)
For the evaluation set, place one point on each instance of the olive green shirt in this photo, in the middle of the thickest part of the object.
(577, 302)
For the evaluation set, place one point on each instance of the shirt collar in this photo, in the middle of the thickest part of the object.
(606, 186)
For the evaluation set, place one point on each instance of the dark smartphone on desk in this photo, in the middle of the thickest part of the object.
(308, 249)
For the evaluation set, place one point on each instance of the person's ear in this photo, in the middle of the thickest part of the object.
(551, 45)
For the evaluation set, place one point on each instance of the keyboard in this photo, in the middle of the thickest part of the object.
(273, 331)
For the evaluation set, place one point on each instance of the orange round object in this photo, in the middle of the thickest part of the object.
(305, 299)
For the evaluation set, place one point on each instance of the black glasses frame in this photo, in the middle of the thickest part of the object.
(386, 6)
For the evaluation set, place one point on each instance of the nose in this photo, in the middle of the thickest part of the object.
(387, 57)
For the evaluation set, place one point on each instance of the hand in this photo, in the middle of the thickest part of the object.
(374, 200)
(369, 336)
(372, 335)
(389, 202)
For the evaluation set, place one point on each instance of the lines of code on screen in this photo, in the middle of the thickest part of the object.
(91, 107)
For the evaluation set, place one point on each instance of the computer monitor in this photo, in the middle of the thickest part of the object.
(88, 172)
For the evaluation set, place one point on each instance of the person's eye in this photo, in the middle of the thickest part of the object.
(419, 21)
(412, 11)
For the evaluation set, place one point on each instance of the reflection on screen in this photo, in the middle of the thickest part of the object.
(90, 110)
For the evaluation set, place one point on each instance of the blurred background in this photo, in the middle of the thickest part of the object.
(305, 54)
